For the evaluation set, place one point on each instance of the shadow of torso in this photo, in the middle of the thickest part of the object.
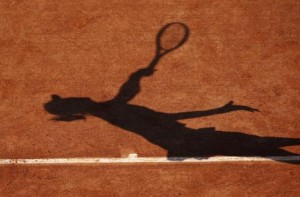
(180, 141)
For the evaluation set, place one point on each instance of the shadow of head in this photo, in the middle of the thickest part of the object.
(68, 109)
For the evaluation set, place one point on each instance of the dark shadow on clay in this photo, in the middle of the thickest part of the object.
(163, 129)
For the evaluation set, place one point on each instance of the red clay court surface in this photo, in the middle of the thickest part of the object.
(243, 51)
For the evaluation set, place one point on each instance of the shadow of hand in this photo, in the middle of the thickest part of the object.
(146, 71)
(231, 107)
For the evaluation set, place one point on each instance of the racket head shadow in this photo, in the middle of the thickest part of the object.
(170, 37)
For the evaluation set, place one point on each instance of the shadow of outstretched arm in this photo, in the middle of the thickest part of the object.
(229, 107)
(69, 118)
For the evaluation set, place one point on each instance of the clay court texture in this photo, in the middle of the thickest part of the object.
(79, 94)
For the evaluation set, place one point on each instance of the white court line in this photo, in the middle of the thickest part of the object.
(134, 159)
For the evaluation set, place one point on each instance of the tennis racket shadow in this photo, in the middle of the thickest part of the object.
(164, 129)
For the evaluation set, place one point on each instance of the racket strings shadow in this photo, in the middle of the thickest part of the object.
(164, 129)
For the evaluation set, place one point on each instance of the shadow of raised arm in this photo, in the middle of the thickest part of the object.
(132, 86)
(229, 107)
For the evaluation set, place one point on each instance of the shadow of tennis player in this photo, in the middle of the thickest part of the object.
(163, 129)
